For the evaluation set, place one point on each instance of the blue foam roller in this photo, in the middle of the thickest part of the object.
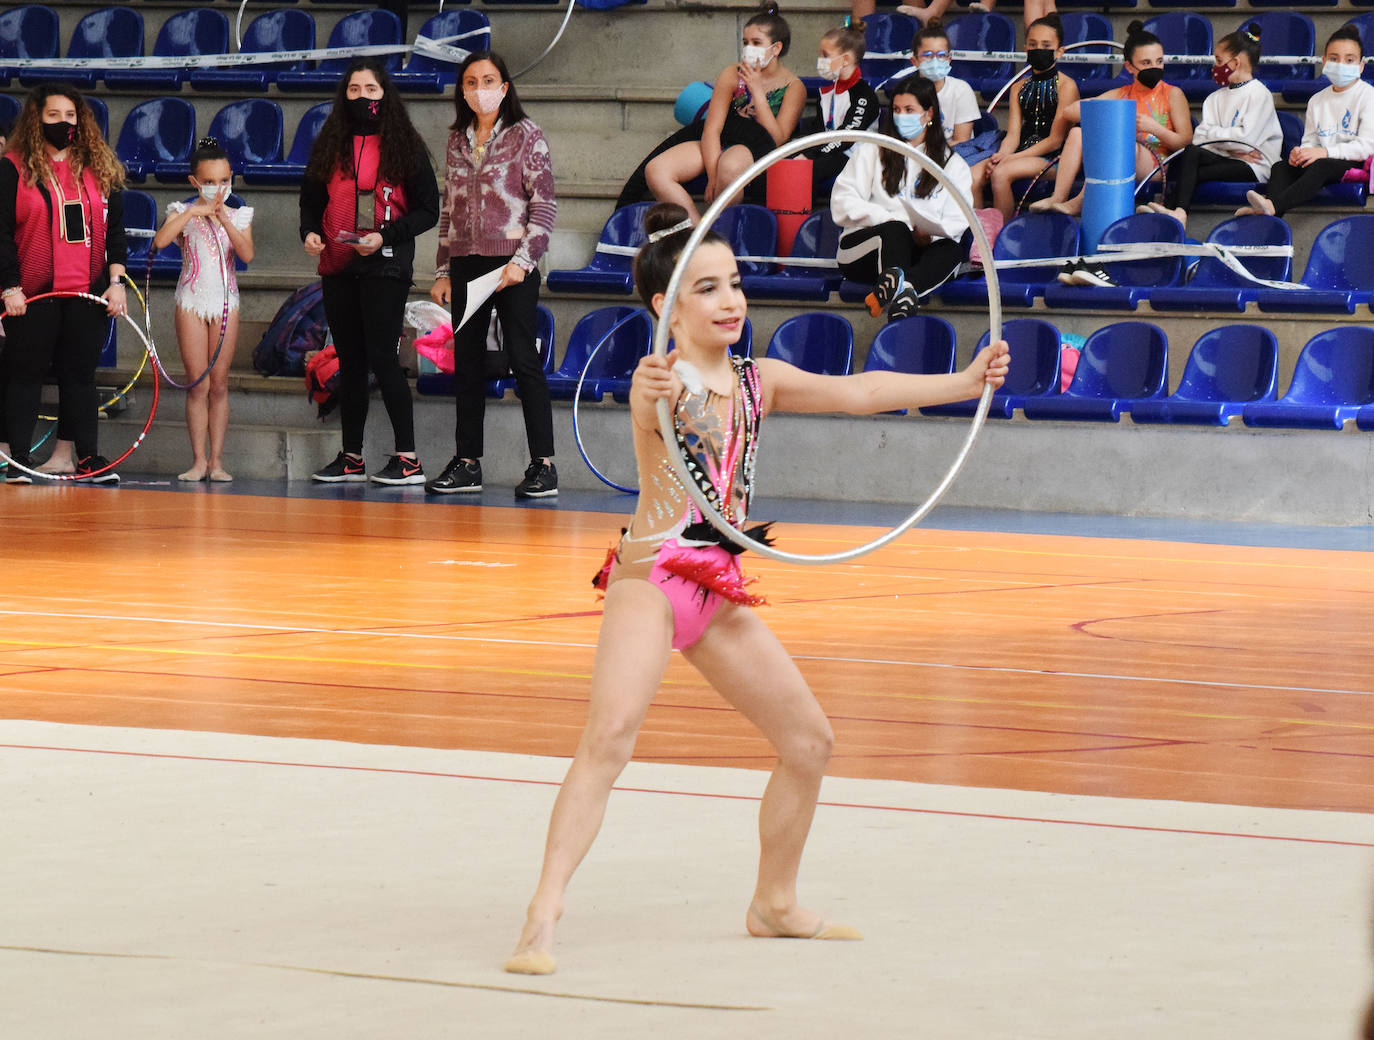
(692, 103)
(1108, 165)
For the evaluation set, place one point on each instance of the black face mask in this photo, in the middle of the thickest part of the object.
(1149, 78)
(364, 112)
(1041, 59)
(59, 135)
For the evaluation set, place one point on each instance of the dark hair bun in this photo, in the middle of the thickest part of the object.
(1253, 31)
(768, 7)
(857, 25)
(208, 142)
(664, 215)
(1135, 28)
(934, 26)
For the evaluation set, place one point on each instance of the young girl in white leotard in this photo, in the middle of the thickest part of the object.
(200, 300)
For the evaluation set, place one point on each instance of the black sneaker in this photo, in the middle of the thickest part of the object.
(1069, 272)
(344, 468)
(904, 305)
(458, 477)
(400, 470)
(14, 475)
(1095, 276)
(889, 284)
(90, 469)
(541, 481)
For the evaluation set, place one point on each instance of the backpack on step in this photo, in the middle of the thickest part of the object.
(298, 328)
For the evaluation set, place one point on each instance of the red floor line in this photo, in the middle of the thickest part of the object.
(701, 794)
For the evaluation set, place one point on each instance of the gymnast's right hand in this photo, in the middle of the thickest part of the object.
(16, 303)
(314, 245)
(442, 291)
(654, 380)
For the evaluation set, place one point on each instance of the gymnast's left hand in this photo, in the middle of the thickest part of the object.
(371, 242)
(116, 302)
(990, 366)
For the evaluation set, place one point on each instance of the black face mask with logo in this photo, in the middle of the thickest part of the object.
(59, 135)
(365, 113)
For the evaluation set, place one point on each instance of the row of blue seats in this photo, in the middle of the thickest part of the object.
(1339, 275)
(31, 32)
(1122, 369)
(1288, 33)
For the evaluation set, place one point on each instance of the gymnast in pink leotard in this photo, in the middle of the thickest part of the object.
(671, 583)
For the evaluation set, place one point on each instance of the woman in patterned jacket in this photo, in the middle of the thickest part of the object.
(496, 214)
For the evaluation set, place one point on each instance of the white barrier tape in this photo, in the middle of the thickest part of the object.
(422, 45)
(1112, 182)
(1019, 57)
(785, 261)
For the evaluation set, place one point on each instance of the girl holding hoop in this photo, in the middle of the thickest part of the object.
(61, 229)
(671, 584)
(902, 229)
(200, 300)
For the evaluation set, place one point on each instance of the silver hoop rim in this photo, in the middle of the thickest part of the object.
(665, 419)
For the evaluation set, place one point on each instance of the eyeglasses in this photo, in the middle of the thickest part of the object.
(933, 54)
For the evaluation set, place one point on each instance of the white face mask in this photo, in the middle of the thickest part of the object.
(485, 100)
(1341, 74)
(754, 56)
(829, 68)
(210, 192)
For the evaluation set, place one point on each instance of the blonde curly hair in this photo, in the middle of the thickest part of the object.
(88, 151)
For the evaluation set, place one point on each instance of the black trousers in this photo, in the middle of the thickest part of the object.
(515, 308)
(67, 335)
(865, 253)
(365, 315)
(1291, 186)
(1198, 164)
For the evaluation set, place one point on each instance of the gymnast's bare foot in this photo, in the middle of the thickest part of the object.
(534, 952)
(56, 465)
(192, 475)
(794, 923)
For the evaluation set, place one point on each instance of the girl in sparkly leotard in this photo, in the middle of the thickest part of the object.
(200, 300)
(1037, 123)
(672, 583)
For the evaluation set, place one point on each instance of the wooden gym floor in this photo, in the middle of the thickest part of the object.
(1130, 675)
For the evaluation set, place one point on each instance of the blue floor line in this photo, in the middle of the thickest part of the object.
(953, 518)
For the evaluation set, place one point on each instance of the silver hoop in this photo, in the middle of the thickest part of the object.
(665, 419)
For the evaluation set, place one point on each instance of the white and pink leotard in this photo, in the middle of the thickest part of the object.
(200, 290)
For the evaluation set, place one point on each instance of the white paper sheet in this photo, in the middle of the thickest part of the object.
(479, 291)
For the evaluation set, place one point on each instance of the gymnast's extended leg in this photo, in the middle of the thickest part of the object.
(741, 657)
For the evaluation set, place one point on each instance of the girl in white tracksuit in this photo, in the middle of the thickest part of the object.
(1339, 134)
(902, 230)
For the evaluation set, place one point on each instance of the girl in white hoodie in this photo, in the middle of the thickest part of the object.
(1339, 135)
(903, 230)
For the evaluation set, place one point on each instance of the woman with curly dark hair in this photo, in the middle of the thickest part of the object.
(368, 191)
(61, 229)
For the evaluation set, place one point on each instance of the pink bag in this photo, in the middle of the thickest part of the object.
(992, 221)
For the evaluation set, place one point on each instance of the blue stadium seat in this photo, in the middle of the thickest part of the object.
(1119, 365)
(249, 130)
(9, 109)
(608, 272)
(198, 31)
(1186, 32)
(819, 342)
(426, 75)
(1364, 418)
(1333, 379)
(292, 168)
(1034, 371)
(919, 345)
(162, 130)
(982, 32)
(285, 29)
(1079, 27)
(887, 34)
(1229, 367)
(1339, 274)
(817, 238)
(359, 29)
(111, 32)
(441, 383)
(1283, 32)
(1027, 237)
(140, 214)
(1136, 279)
(1214, 286)
(614, 362)
(751, 231)
(30, 31)
(1101, 4)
